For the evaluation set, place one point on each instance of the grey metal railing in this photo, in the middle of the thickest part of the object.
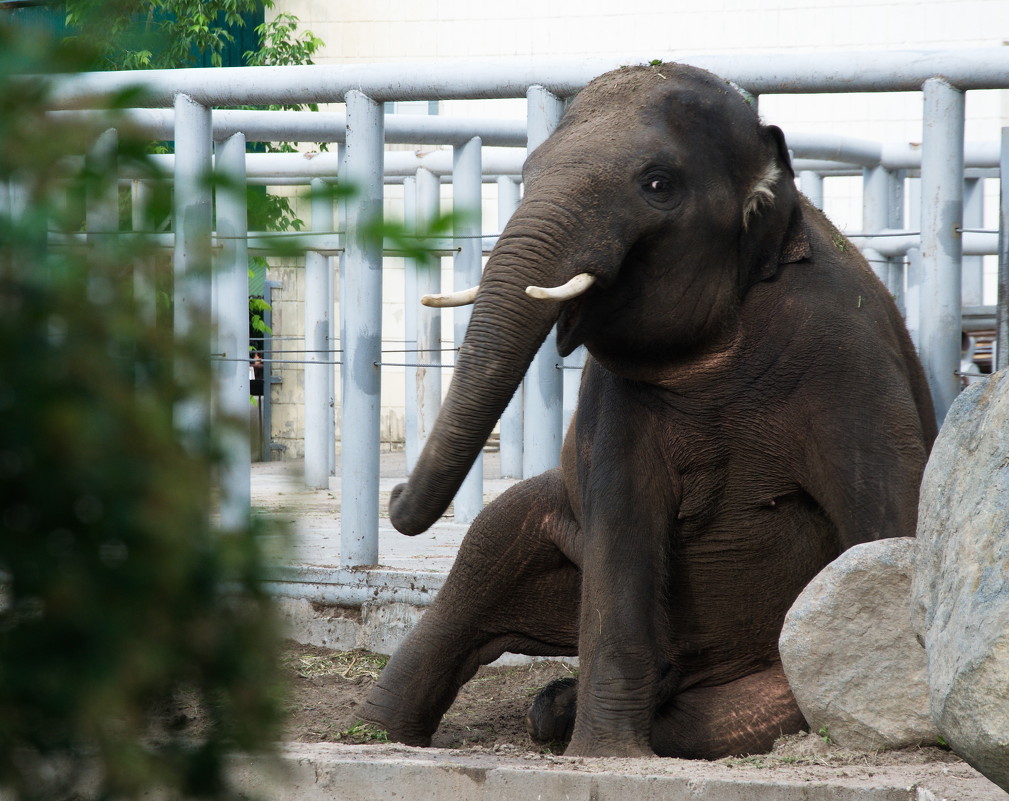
(182, 101)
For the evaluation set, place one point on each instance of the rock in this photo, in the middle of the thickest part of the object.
(960, 593)
(850, 654)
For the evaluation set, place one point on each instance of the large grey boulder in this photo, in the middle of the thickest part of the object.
(960, 593)
(850, 654)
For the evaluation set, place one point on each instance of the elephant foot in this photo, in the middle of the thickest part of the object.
(379, 714)
(551, 718)
(609, 748)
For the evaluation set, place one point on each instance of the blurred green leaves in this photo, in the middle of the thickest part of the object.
(118, 593)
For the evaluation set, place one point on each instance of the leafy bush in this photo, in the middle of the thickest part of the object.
(118, 591)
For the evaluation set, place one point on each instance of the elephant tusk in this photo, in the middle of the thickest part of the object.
(463, 297)
(578, 285)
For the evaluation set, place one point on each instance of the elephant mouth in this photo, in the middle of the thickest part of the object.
(570, 326)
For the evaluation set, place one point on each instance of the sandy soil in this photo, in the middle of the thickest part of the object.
(487, 721)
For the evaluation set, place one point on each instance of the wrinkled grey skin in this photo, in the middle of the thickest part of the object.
(752, 407)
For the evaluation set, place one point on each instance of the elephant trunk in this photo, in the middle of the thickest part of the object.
(505, 331)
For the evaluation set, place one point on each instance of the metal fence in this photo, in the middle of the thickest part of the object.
(920, 261)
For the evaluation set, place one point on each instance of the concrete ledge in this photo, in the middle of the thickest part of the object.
(331, 772)
(346, 587)
(375, 626)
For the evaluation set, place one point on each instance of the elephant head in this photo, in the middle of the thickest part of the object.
(657, 203)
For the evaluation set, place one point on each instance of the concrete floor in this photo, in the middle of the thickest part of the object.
(313, 518)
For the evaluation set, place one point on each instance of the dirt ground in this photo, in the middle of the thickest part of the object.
(328, 687)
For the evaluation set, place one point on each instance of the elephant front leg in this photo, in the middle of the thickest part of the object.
(510, 589)
(618, 659)
(623, 640)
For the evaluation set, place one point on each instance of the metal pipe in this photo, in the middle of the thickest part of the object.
(1002, 302)
(361, 313)
(764, 73)
(318, 374)
(411, 447)
(941, 244)
(300, 167)
(875, 217)
(231, 288)
(972, 282)
(192, 214)
(102, 213)
(313, 126)
(467, 190)
(912, 296)
(895, 181)
(895, 244)
(846, 149)
(544, 385)
(811, 185)
(428, 381)
(510, 427)
(144, 291)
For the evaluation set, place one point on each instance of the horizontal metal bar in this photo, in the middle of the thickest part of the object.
(898, 243)
(846, 149)
(312, 126)
(764, 73)
(343, 587)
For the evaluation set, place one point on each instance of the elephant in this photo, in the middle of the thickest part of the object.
(750, 407)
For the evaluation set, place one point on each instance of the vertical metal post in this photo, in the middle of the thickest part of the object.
(361, 315)
(337, 328)
(427, 379)
(269, 379)
(811, 185)
(411, 266)
(912, 297)
(544, 381)
(467, 191)
(882, 208)
(192, 214)
(17, 195)
(102, 214)
(941, 240)
(511, 420)
(875, 217)
(972, 286)
(895, 195)
(144, 291)
(231, 371)
(318, 370)
(1002, 302)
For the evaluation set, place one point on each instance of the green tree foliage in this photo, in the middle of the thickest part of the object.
(281, 43)
(158, 34)
(118, 594)
(168, 34)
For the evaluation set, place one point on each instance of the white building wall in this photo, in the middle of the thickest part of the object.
(356, 31)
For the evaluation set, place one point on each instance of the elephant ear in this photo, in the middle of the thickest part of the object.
(774, 232)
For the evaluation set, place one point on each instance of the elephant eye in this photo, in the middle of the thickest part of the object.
(658, 188)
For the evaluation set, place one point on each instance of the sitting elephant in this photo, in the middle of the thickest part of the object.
(752, 406)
